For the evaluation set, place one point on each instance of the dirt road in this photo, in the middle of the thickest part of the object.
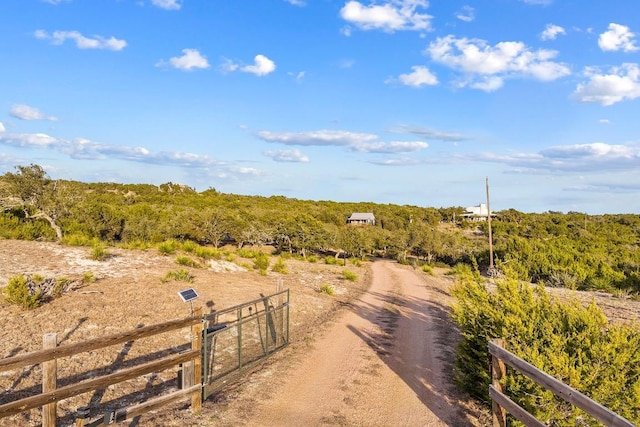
(384, 362)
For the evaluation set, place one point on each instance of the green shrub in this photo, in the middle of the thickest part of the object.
(179, 276)
(280, 267)
(427, 269)
(17, 292)
(261, 262)
(326, 289)
(329, 260)
(186, 261)
(98, 252)
(208, 253)
(570, 342)
(356, 262)
(61, 282)
(312, 259)
(136, 244)
(246, 253)
(77, 240)
(168, 247)
(189, 246)
(349, 275)
(88, 277)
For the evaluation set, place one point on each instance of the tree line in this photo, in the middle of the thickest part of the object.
(573, 250)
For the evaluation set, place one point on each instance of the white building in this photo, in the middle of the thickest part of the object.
(477, 213)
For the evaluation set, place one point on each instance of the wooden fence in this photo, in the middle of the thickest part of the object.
(47, 400)
(501, 403)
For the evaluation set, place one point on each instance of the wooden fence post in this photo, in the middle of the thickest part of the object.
(196, 344)
(498, 372)
(49, 381)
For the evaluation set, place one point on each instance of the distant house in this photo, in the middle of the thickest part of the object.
(477, 213)
(362, 219)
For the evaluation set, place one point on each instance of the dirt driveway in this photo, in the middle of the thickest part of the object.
(386, 361)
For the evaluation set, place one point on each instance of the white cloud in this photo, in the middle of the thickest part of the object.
(191, 60)
(296, 2)
(318, 138)
(431, 134)
(486, 67)
(389, 16)
(167, 4)
(228, 66)
(55, 2)
(538, 2)
(577, 158)
(357, 142)
(619, 84)
(552, 31)
(619, 37)
(604, 121)
(466, 14)
(398, 162)
(297, 76)
(2, 128)
(81, 148)
(25, 112)
(390, 147)
(290, 156)
(261, 67)
(420, 76)
(346, 63)
(82, 42)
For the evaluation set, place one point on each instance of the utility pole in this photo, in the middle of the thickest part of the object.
(490, 235)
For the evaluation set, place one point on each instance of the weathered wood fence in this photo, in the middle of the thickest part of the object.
(501, 404)
(47, 400)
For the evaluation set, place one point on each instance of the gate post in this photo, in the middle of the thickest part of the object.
(498, 372)
(196, 344)
(49, 381)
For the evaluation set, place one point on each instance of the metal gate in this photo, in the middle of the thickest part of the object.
(237, 337)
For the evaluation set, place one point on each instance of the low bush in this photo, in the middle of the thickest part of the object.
(186, 261)
(168, 247)
(427, 269)
(98, 252)
(349, 275)
(179, 276)
(17, 292)
(312, 259)
(247, 253)
(77, 240)
(280, 267)
(567, 340)
(261, 263)
(330, 260)
(189, 246)
(208, 253)
(326, 289)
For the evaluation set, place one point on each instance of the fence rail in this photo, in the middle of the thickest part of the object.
(500, 356)
(51, 352)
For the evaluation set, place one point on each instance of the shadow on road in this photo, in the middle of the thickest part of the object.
(416, 339)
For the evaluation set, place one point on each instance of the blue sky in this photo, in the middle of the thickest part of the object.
(393, 101)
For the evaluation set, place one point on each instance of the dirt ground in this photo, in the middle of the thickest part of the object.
(382, 360)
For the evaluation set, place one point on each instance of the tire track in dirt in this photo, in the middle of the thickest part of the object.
(380, 364)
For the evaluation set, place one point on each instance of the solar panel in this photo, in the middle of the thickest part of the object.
(188, 294)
